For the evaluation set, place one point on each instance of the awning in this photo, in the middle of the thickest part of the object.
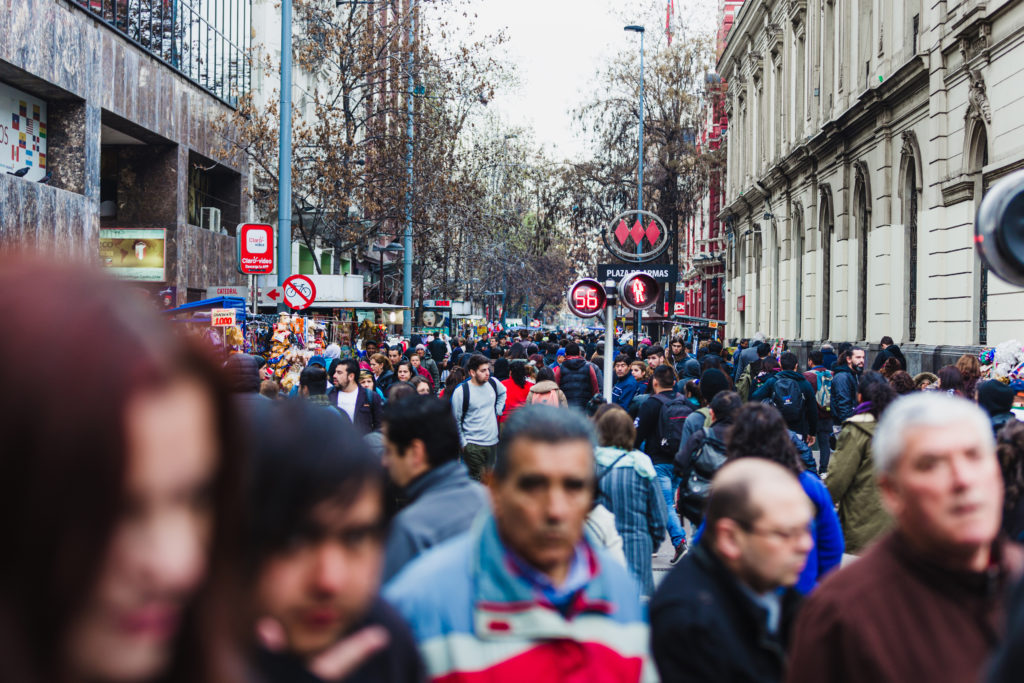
(197, 307)
(359, 305)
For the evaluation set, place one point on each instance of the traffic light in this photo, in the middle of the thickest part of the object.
(587, 298)
(639, 291)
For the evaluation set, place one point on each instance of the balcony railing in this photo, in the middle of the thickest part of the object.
(207, 41)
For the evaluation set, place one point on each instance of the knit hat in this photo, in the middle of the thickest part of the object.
(995, 397)
(691, 369)
(712, 382)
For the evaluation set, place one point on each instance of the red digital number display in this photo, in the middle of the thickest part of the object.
(587, 298)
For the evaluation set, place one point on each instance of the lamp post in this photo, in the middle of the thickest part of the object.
(407, 257)
(284, 158)
(640, 167)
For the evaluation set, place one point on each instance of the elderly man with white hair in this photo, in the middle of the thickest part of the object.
(926, 602)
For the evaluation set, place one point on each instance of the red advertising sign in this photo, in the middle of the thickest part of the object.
(254, 244)
(741, 303)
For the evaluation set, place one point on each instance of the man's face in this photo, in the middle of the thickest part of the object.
(655, 359)
(323, 583)
(542, 503)
(400, 466)
(494, 343)
(774, 550)
(342, 378)
(857, 359)
(394, 355)
(946, 491)
(370, 349)
(481, 374)
(677, 348)
(621, 369)
(367, 383)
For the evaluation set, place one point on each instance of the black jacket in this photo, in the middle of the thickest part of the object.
(577, 380)
(891, 351)
(808, 424)
(368, 409)
(384, 382)
(845, 383)
(705, 628)
(647, 419)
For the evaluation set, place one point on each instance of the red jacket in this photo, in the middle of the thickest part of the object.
(514, 397)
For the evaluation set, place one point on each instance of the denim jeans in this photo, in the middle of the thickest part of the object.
(669, 482)
(824, 452)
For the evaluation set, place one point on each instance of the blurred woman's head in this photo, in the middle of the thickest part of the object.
(614, 427)
(759, 431)
(118, 512)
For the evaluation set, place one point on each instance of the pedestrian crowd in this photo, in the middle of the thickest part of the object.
(464, 510)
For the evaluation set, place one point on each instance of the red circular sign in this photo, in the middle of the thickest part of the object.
(299, 292)
(639, 291)
(587, 298)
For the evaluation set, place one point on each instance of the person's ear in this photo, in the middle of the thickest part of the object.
(892, 498)
(727, 539)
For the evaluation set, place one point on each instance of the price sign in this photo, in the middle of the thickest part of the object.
(587, 298)
(639, 291)
(222, 317)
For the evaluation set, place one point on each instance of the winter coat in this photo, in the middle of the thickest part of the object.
(891, 351)
(369, 409)
(384, 382)
(578, 381)
(808, 422)
(624, 390)
(515, 396)
(844, 392)
(543, 388)
(852, 484)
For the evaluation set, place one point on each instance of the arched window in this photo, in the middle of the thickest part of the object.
(909, 190)
(758, 250)
(977, 161)
(825, 227)
(797, 269)
(862, 216)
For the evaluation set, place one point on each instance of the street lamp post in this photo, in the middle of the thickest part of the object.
(284, 159)
(640, 166)
(407, 257)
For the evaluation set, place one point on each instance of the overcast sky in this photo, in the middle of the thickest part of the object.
(557, 46)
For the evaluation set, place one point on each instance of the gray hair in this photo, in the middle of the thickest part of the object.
(924, 409)
(759, 336)
(546, 424)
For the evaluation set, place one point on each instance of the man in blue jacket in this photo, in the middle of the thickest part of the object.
(626, 385)
(845, 382)
(800, 412)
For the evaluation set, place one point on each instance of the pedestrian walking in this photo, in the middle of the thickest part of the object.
(517, 388)
(545, 391)
(577, 378)
(626, 386)
(845, 377)
(820, 379)
(477, 404)
(792, 395)
(363, 406)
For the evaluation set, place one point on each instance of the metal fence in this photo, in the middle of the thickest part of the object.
(207, 41)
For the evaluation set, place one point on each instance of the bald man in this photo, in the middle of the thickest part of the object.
(724, 612)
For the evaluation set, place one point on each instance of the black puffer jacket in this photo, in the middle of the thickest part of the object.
(577, 380)
(243, 373)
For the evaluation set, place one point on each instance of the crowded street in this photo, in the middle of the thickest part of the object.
(457, 341)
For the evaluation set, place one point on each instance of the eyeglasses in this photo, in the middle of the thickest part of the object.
(791, 535)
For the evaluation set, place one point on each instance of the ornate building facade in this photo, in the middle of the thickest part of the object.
(863, 134)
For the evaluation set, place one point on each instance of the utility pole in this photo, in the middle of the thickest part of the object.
(407, 256)
(284, 158)
(640, 167)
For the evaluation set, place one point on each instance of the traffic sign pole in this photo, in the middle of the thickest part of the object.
(609, 342)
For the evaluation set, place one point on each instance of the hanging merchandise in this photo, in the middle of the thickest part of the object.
(234, 341)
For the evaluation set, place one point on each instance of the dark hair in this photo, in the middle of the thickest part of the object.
(270, 388)
(545, 374)
(572, 349)
(950, 379)
(887, 340)
(890, 367)
(407, 364)
(517, 372)
(902, 383)
(517, 351)
(65, 464)
(710, 361)
(715, 347)
(816, 357)
(400, 391)
(418, 380)
(1010, 449)
(314, 378)
(302, 456)
(476, 360)
(787, 361)
(763, 349)
(656, 350)
(665, 376)
(614, 427)
(759, 431)
(725, 405)
(425, 418)
(456, 377)
(875, 388)
(544, 424)
(351, 366)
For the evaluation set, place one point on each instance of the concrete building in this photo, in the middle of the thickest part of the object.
(107, 140)
(862, 137)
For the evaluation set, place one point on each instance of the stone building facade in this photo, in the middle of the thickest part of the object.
(862, 136)
(129, 104)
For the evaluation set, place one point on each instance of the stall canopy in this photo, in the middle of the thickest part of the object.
(196, 308)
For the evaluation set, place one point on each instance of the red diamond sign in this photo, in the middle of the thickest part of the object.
(637, 232)
(653, 233)
(621, 233)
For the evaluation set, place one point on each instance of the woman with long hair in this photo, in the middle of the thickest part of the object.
(851, 470)
(628, 486)
(759, 431)
(456, 377)
(951, 381)
(970, 372)
(118, 512)
(383, 376)
(517, 388)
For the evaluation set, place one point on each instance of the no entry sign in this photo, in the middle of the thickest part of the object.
(299, 292)
(254, 245)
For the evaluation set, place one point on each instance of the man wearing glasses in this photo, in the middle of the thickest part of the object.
(725, 611)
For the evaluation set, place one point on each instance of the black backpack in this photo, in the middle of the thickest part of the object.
(674, 411)
(696, 485)
(788, 397)
(465, 399)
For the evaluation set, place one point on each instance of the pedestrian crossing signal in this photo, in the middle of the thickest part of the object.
(639, 291)
(587, 298)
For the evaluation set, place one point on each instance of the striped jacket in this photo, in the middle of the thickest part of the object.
(476, 620)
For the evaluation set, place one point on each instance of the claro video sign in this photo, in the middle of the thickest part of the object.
(255, 248)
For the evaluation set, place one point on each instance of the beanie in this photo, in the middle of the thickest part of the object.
(712, 382)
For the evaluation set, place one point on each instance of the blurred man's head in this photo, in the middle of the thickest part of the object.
(542, 487)
(394, 355)
(316, 511)
(758, 523)
(313, 381)
(419, 435)
(479, 368)
(939, 476)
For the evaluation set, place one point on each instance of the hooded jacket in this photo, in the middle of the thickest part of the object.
(545, 387)
(243, 373)
(624, 390)
(852, 484)
(578, 381)
(844, 392)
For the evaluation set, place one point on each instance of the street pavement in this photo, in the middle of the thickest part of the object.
(662, 562)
